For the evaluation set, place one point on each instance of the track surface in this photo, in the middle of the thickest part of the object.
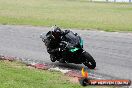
(112, 51)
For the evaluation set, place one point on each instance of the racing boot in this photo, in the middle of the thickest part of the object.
(52, 58)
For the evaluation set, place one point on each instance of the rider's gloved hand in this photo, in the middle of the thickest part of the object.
(62, 50)
(58, 50)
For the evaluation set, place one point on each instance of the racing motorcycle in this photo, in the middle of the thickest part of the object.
(72, 50)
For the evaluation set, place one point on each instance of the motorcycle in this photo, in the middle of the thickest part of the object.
(72, 50)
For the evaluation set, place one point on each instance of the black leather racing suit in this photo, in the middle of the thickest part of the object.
(53, 47)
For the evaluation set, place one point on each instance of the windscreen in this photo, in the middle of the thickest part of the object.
(72, 38)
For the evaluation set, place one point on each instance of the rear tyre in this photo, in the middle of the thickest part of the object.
(89, 61)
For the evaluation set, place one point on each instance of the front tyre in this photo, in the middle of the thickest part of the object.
(89, 61)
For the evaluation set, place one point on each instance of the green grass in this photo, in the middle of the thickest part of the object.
(16, 75)
(80, 14)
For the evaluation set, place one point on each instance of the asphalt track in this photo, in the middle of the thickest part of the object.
(112, 51)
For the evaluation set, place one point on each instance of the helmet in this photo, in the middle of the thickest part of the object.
(56, 31)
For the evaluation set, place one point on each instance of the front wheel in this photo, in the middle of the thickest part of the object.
(89, 61)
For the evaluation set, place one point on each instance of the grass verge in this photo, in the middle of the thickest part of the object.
(18, 75)
(80, 14)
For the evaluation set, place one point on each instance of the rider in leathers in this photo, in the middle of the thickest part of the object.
(53, 47)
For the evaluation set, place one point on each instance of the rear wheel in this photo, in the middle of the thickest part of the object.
(89, 61)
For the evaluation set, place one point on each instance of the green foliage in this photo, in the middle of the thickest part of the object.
(80, 14)
(16, 75)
